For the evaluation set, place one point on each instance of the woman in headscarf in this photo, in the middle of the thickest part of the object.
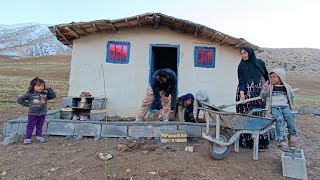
(252, 74)
(184, 108)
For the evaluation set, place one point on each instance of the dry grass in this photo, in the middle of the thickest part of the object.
(15, 76)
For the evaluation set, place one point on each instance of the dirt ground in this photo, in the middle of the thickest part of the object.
(63, 158)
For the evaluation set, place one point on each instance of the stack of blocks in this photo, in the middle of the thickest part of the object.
(173, 136)
(294, 164)
(96, 110)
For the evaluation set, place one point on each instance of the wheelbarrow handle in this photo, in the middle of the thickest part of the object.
(244, 101)
(238, 102)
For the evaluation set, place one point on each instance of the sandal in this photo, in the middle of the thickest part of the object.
(27, 141)
(281, 144)
(41, 139)
(292, 145)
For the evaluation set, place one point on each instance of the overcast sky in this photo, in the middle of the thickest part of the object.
(266, 23)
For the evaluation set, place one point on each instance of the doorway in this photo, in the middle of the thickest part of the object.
(165, 56)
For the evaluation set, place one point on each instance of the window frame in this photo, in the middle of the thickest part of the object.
(117, 43)
(196, 48)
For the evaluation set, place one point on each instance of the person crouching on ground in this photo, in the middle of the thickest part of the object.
(184, 108)
(36, 99)
(281, 102)
(162, 85)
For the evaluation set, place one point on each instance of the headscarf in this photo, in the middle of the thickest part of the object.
(185, 98)
(253, 68)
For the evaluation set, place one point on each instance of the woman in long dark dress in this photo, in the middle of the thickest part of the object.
(252, 74)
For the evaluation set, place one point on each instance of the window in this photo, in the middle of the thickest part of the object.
(118, 52)
(204, 57)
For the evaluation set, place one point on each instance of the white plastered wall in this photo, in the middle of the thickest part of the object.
(126, 83)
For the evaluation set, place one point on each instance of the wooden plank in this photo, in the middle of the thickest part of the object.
(156, 21)
(96, 27)
(241, 42)
(109, 23)
(139, 21)
(196, 31)
(213, 36)
(224, 39)
(59, 32)
(184, 26)
(128, 24)
(172, 21)
(86, 32)
(72, 32)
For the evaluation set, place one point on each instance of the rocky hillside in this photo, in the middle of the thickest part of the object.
(303, 62)
(29, 40)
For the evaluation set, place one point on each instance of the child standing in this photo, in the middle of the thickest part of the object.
(36, 99)
(281, 103)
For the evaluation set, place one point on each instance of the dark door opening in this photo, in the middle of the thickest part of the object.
(165, 57)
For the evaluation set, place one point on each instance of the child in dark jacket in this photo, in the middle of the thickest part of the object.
(281, 103)
(36, 99)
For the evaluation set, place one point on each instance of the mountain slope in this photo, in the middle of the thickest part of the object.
(29, 40)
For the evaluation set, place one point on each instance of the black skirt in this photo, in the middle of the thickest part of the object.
(252, 90)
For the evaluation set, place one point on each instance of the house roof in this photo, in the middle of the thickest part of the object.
(66, 33)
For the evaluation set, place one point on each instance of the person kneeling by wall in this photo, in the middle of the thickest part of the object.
(184, 108)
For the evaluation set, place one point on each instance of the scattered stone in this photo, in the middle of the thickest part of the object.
(4, 173)
(128, 170)
(122, 147)
(149, 148)
(316, 112)
(145, 152)
(12, 138)
(134, 145)
(189, 148)
(153, 173)
(49, 171)
(105, 156)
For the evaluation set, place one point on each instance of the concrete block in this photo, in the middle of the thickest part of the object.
(157, 129)
(294, 164)
(53, 114)
(68, 102)
(66, 115)
(23, 127)
(99, 103)
(212, 131)
(9, 127)
(60, 128)
(97, 115)
(192, 131)
(140, 131)
(87, 129)
(114, 131)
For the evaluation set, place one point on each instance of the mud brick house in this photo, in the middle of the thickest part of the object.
(130, 49)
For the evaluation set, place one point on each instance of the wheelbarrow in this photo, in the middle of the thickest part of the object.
(229, 126)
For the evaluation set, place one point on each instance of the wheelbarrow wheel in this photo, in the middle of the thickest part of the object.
(219, 151)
